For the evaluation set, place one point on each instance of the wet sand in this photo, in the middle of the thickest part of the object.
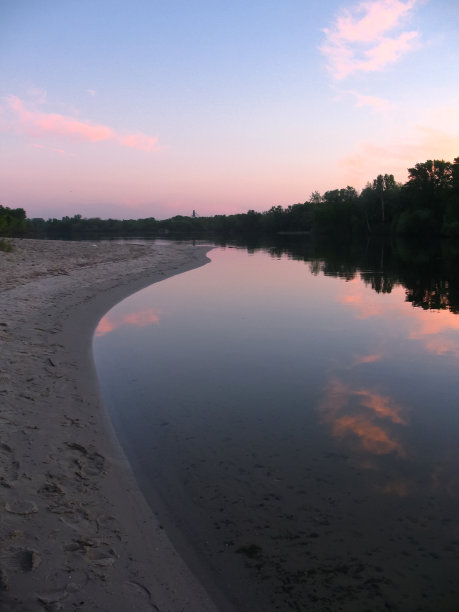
(75, 531)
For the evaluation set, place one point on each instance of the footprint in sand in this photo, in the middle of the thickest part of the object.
(5, 382)
(89, 462)
(22, 507)
(23, 559)
(98, 554)
(8, 466)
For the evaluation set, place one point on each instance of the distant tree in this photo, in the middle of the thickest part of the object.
(315, 198)
(377, 199)
(425, 197)
(299, 217)
(275, 220)
(450, 225)
(383, 184)
(429, 184)
(337, 212)
(12, 220)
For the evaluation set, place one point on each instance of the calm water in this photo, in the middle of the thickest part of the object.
(297, 424)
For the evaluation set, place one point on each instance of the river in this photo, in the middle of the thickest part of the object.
(293, 417)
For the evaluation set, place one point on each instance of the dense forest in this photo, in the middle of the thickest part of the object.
(427, 204)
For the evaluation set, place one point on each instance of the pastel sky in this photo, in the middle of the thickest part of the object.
(155, 108)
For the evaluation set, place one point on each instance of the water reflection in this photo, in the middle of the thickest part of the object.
(359, 359)
(438, 330)
(114, 320)
(363, 418)
(354, 294)
(439, 333)
(296, 413)
(428, 271)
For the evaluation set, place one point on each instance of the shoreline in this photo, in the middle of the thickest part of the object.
(76, 532)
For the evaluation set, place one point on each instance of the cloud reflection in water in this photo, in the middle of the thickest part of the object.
(111, 321)
(364, 418)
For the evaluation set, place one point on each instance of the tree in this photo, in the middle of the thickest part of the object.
(429, 185)
(383, 184)
(315, 198)
(375, 200)
(12, 220)
(450, 225)
(338, 211)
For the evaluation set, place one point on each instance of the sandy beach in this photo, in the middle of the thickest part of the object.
(76, 533)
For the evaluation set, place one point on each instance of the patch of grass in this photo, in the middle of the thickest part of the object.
(6, 245)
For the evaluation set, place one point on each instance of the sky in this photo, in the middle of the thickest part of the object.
(155, 108)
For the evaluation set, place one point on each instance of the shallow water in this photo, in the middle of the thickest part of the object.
(297, 429)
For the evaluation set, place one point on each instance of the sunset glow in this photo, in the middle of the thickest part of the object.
(157, 109)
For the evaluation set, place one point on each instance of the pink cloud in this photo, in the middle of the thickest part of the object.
(373, 437)
(378, 17)
(365, 304)
(110, 322)
(439, 322)
(141, 319)
(363, 417)
(438, 331)
(361, 359)
(443, 346)
(381, 405)
(358, 41)
(139, 141)
(35, 123)
(389, 50)
(375, 103)
(41, 147)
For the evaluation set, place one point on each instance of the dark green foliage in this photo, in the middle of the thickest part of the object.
(337, 212)
(429, 185)
(77, 226)
(418, 222)
(12, 221)
(450, 225)
(378, 203)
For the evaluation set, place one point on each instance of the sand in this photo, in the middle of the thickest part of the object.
(75, 531)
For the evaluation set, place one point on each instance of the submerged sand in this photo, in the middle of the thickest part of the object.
(75, 531)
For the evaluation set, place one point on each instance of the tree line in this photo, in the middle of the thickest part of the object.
(427, 204)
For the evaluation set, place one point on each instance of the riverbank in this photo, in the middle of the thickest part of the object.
(76, 533)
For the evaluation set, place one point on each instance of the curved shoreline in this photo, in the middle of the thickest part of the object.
(76, 532)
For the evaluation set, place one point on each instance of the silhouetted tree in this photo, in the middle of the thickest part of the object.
(12, 220)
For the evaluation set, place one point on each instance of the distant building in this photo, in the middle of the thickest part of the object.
(194, 215)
